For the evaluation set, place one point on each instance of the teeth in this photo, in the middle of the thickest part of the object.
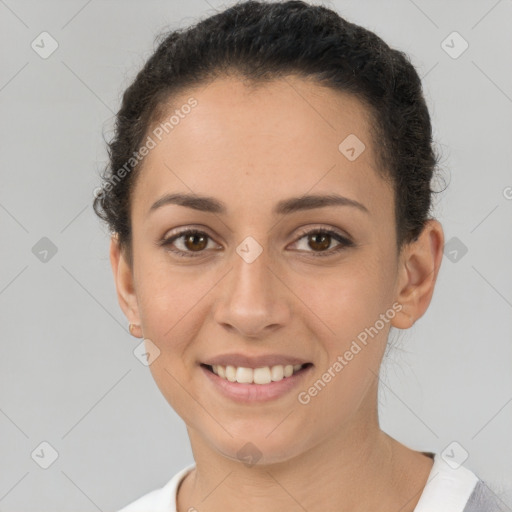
(230, 373)
(244, 375)
(277, 372)
(263, 375)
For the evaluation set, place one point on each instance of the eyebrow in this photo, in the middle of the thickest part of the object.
(284, 207)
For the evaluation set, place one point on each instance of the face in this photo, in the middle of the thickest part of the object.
(258, 284)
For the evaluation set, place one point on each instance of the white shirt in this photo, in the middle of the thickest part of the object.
(447, 490)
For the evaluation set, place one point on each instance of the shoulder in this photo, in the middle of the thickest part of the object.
(162, 499)
(454, 488)
(484, 499)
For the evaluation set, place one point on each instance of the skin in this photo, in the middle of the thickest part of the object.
(250, 148)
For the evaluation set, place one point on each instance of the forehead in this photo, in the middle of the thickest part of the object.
(256, 144)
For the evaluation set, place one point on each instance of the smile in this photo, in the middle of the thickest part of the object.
(261, 376)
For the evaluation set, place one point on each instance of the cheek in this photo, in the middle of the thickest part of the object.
(343, 299)
(348, 312)
(169, 297)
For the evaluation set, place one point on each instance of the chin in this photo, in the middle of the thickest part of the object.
(256, 447)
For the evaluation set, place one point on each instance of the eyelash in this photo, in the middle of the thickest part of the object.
(344, 242)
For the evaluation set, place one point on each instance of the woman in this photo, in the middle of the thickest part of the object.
(268, 194)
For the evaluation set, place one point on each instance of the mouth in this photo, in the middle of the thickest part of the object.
(261, 376)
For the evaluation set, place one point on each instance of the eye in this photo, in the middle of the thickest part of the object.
(193, 241)
(320, 239)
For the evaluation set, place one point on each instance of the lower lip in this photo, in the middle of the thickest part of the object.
(250, 393)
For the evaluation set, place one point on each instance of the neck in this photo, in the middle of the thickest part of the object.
(359, 469)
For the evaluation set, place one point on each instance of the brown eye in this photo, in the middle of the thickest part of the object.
(190, 241)
(195, 242)
(320, 241)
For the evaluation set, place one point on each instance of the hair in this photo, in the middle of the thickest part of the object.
(259, 42)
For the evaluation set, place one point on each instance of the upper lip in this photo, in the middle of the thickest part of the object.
(241, 360)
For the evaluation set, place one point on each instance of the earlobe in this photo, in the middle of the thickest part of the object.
(123, 277)
(419, 266)
(402, 319)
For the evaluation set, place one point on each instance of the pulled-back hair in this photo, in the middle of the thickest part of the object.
(264, 41)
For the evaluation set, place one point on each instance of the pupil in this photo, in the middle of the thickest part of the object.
(192, 238)
(325, 238)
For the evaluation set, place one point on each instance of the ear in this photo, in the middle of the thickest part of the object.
(418, 269)
(123, 277)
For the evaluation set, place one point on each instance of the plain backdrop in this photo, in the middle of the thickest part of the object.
(71, 388)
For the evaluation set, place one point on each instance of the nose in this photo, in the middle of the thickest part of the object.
(255, 301)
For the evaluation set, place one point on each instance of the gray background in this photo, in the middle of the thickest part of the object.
(68, 375)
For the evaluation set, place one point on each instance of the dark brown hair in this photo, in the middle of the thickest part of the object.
(264, 41)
